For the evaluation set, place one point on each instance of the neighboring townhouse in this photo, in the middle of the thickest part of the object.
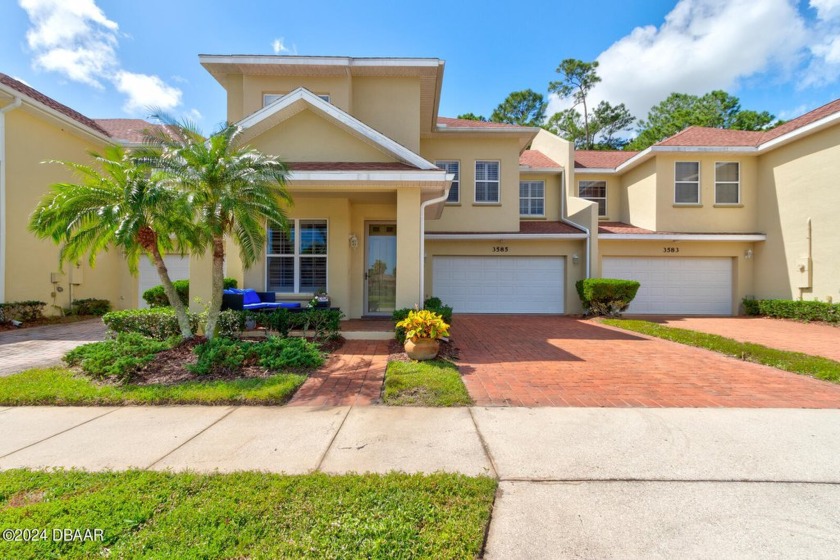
(393, 203)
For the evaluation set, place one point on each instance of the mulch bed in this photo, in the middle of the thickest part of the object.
(169, 366)
(448, 351)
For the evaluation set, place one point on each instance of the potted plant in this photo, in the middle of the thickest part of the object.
(423, 328)
(320, 298)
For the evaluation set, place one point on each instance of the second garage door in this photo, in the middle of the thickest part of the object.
(500, 284)
(676, 286)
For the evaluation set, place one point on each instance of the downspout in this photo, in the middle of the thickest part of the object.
(568, 222)
(7, 109)
(423, 206)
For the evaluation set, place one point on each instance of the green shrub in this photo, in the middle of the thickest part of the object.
(231, 323)
(29, 310)
(157, 323)
(224, 355)
(281, 354)
(432, 304)
(119, 358)
(278, 321)
(156, 297)
(790, 309)
(606, 296)
(221, 355)
(324, 323)
(90, 306)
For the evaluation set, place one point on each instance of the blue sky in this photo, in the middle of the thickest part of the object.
(111, 58)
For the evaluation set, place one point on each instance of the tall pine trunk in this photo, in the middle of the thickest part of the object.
(218, 277)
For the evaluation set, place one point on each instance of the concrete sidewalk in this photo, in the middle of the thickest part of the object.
(629, 483)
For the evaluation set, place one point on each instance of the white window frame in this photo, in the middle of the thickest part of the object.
(698, 182)
(595, 199)
(498, 182)
(736, 183)
(297, 256)
(456, 182)
(530, 198)
(277, 96)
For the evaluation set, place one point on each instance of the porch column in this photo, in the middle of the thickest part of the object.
(408, 248)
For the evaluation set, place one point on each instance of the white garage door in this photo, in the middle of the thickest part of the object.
(500, 284)
(178, 267)
(676, 286)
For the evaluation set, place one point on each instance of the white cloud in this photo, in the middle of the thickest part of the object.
(279, 47)
(146, 91)
(826, 9)
(195, 114)
(701, 46)
(74, 38)
(824, 66)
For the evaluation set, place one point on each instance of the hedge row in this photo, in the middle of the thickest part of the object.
(606, 296)
(158, 323)
(790, 309)
(156, 297)
(21, 311)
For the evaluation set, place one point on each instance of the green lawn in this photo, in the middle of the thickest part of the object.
(432, 383)
(247, 515)
(59, 386)
(795, 362)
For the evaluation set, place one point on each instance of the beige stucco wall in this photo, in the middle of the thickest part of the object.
(254, 87)
(560, 151)
(613, 192)
(707, 217)
(391, 106)
(518, 248)
(32, 138)
(799, 182)
(309, 137)
(468, 215)
(742, 269)
(637, 196)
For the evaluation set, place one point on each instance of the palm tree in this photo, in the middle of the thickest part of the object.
(120, 203)
(233, 190)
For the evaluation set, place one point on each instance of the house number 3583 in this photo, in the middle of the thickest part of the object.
(500, 249)
(670, 249)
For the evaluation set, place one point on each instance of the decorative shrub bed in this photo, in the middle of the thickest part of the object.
(156, 297)
(24, 311)
(90, 306)
(159, 323)
(790, 309)
(606, 296)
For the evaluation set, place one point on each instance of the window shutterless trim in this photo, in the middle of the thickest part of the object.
(497, 181)
(736, 183)
(699, 200)
(458, 181)
(595, 199)
(297, 256)
(530, 198)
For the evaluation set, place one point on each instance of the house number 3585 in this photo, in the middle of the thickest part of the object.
(500, 249)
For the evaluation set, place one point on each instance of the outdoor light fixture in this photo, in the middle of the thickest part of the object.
(748, 254)
(575, 258)
(354, 241)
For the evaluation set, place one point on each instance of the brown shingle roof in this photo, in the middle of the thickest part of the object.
(129, 130)
(601, 159)
(804, 120)
(537, 159)
(36, 95)
(704, 136)
(349, 166)
(465, 123)
(620, 227)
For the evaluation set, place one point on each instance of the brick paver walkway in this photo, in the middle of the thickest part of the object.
(816, 339)
(562, 361)
(352, 376)
(23, 349)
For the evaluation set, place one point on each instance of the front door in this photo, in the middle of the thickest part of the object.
(381, 269)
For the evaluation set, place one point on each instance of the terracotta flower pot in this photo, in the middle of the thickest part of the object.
(423, 349)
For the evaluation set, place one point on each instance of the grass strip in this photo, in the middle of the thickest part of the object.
(247, 515)
(59, 386)
(431, 383)
(794, 362)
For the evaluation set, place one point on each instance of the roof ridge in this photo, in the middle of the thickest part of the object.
(44, 99)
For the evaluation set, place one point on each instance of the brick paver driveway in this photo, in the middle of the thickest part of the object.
(816, 339)
(563, 361)
(44, 346)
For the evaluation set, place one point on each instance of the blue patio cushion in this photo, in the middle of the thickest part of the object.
(250, 297)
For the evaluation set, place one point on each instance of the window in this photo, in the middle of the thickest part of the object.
(531, 198)
(596, 191)
(727, 182)
(687, 182)
(487, 181)
(297, 260)
(269, 98)
(455, 191)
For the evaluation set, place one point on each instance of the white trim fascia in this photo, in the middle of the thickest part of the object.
(501, 236)
(477, 130)
(595, 171)
(37, 105)
(361, 129)
(793, 134)
(372, 176)
(541, 170)
(746, 150)
(683, 236)
(349, 61)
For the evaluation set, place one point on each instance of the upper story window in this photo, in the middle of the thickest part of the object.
(727, 182)
(296, 261)
(487, 181)
(532, 198)
(269, 98)
(687, 182)
(453, 167)
(596, 191)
